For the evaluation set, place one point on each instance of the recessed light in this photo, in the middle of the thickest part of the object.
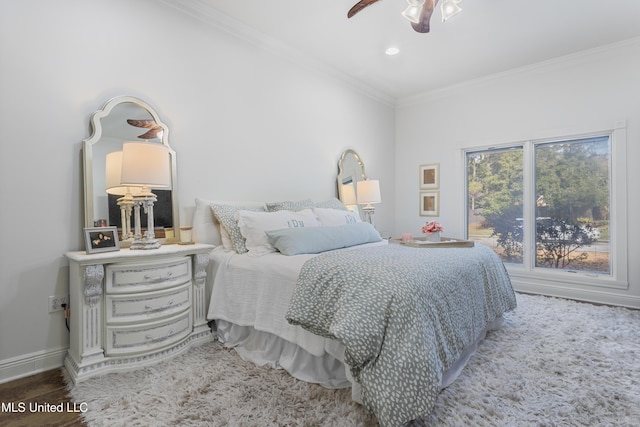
(392, 51)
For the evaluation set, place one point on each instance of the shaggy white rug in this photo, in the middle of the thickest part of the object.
(554, 363)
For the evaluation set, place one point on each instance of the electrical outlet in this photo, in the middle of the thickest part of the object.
(55, 302)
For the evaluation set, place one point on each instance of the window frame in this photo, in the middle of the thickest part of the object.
(527, 276)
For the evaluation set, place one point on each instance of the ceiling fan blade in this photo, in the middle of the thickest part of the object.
(153, 133)
(359, 6)
(145, 123)
(425, 16)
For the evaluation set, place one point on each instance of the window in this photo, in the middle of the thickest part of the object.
(545, 206)
(572, 194)
(495, 200)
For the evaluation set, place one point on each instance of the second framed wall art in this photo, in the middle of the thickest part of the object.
(430, 203)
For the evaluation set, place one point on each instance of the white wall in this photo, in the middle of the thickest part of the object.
(246, 124)
(582, 93)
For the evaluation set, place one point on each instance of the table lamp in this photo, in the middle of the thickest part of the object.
(112, 180)
(368, 192)
(145, 165)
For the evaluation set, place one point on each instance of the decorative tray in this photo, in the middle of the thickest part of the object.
(445, 242)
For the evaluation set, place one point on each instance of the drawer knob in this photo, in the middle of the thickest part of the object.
(158, 278)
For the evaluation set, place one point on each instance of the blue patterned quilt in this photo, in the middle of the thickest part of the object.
(403, 314)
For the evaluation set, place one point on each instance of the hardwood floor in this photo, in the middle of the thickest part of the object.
(36, 401)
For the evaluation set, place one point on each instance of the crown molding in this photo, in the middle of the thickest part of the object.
(204, 12)
(602, 52)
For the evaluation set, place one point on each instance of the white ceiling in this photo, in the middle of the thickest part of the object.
(488, 37)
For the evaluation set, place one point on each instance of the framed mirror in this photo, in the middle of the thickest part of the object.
(124, 119)
(350, 171)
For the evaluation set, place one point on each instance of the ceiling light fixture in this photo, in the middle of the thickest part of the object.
(418, 12)
(392, 51)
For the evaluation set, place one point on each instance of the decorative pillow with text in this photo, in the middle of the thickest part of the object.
(332, 217)
(254, 225)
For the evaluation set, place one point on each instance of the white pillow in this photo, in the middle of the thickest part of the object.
(333, 217)
(253, 226)
(205, 226)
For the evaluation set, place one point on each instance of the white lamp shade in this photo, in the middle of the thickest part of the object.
(369, 191)
(112, 179)
(145, 164)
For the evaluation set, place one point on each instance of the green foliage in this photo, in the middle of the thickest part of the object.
(571, 185)
(573, 179)
(559, 242)
(508, 229)
(495, 181)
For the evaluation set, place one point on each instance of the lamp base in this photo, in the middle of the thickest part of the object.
(369, 213)
(143, 244)
(148, 241)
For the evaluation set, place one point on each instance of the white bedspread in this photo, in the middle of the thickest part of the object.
(255, 291)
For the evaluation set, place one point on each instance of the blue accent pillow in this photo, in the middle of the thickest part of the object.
(313, 240)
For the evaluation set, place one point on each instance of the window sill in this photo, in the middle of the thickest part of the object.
(574, 286)
(566, 278)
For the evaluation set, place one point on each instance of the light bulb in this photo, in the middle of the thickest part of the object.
(449, 8)
(412, 12)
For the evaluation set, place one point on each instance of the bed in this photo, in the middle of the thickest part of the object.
(309, 288)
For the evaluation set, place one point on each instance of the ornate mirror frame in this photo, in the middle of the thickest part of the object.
(350, 171)
(109, 130)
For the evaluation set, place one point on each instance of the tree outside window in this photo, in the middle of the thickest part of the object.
(569, 207)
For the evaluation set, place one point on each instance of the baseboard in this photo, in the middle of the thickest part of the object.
(30, 364)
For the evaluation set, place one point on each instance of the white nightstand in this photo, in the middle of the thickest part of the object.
(132, 308)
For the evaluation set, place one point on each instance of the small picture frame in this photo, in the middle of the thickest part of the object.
(430, 176)
(101, 239)
(429, 203)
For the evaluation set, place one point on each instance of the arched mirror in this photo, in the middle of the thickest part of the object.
(124, 119)
(350, 171)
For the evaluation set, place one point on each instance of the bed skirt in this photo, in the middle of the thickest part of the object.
(328, 370)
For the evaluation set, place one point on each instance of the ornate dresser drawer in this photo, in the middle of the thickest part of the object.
(123, 308)
(142, 277)
(148, 336)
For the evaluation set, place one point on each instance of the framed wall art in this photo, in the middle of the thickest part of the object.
(430, 176)
(101, 239)
(429, 203)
